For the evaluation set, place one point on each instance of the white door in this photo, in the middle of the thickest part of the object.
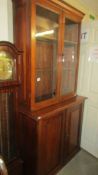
(88, 86)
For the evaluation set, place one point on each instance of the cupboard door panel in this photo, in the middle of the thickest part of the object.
(73, 131)
(72, 128)
(50, 144)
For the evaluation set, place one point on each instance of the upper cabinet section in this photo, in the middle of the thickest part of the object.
(49, 35)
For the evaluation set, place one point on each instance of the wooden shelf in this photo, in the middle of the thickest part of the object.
(70, 42)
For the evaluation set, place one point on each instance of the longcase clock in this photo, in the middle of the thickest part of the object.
(10, 81)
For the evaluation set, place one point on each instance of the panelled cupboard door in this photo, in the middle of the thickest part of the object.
(72, 128)
(49, 150)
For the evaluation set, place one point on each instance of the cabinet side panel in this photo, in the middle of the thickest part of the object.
(28, 146)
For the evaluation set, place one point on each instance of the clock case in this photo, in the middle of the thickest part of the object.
(9, 125)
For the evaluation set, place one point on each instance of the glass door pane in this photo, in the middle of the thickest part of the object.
(69, 58)
(46, 53)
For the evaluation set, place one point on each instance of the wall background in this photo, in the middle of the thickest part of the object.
(6, 20)
(86, 6)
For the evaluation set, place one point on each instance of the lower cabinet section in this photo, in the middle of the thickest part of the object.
(49, 140)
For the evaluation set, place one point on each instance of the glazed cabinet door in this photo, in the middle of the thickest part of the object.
(70, 54)
(45, 52)
(72, 130)
(49, 152)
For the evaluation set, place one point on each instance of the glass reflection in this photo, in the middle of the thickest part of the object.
(6, 66)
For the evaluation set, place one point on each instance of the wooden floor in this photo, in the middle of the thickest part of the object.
(82, 164)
